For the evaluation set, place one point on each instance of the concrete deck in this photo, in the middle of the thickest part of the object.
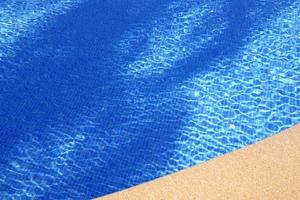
(269, 169)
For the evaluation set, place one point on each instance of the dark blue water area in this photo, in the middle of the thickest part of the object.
(47, 84)
(76, 121)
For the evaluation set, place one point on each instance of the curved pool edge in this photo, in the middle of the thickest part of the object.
(268, 169)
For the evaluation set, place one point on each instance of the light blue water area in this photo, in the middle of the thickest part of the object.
(98, 96)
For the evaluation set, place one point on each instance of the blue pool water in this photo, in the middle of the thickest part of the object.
(98, 96)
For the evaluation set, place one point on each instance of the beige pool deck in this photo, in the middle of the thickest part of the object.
(269, 169)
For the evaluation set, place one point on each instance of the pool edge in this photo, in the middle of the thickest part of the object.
(269, 169)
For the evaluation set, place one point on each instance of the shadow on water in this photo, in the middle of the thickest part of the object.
(62, 75)
(225, 44)
(228, 43)
(55, 74)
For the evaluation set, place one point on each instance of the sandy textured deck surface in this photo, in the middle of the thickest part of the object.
(269, 169)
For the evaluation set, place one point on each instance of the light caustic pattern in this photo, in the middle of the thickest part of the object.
(19, 19)
(241, 99)
(246, 97)
(170, 37)
(42, 164)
